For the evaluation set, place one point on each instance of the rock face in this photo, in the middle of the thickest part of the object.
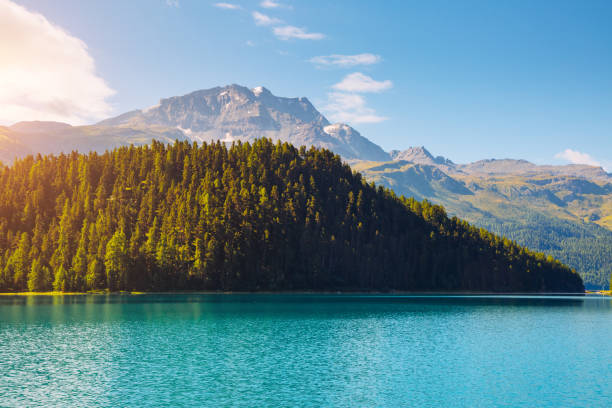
(230, 113)
(233, 113)
(420, 155)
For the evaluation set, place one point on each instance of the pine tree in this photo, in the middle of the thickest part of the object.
(61, 282)
(79, 268)
(199, 263)
(116, 261)
(95, 278)
(38, 278)
(18, 264)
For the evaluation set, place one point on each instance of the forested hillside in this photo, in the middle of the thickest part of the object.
(258, 216)
(584, 246)
(563, 215)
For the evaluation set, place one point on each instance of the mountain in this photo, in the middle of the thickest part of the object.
(229, 113)
(525, 168)
(411, 179)
(233, 113)
(25, 138)
(491, 167)
(10, 146)
(254, 217)
(565, 211)
(420, 155)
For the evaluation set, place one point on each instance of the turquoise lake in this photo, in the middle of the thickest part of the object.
(305, 350)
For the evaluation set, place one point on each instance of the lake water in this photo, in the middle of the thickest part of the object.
(305, 350)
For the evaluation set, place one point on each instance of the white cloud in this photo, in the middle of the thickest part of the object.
(264, 20)
(250, 43)
(46, 73)
(227, 6)
(289, 32)
(576, 157)
(347, 105)
(346, 60)
(358, 82)
(172, 3)
(350, 108)
(271, 4)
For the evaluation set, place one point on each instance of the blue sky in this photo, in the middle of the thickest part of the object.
(467, 79)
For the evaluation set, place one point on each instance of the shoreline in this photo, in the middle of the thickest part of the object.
(598, 292)
(389, 293)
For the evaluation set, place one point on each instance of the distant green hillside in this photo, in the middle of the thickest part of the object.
(258, 216)
(558, 214)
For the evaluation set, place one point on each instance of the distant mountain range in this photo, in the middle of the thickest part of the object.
(562, 210)
(565, 211)
(26, 138)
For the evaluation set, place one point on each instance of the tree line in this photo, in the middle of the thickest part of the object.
(260, 216)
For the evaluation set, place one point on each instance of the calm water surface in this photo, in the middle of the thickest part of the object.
(305, 350)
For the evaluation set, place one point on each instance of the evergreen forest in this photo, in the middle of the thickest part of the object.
(258, 216)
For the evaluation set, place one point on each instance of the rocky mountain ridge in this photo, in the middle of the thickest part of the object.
(230, 113)
(234, 112)
(491, 167)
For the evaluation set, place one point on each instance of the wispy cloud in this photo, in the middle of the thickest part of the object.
(172, 3)
(346, 60)
(46, 73)
(360, 83)
(264, 20)
(272, 4)
(576, 157)
(281, 31)
(289, 32)
(347, 105)
(350, 108)
(250, 43)
(228, 6)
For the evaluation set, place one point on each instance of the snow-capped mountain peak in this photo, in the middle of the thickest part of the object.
(246, 114)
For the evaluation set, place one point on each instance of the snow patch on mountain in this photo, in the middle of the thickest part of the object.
(258, 90)
(336, 128)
